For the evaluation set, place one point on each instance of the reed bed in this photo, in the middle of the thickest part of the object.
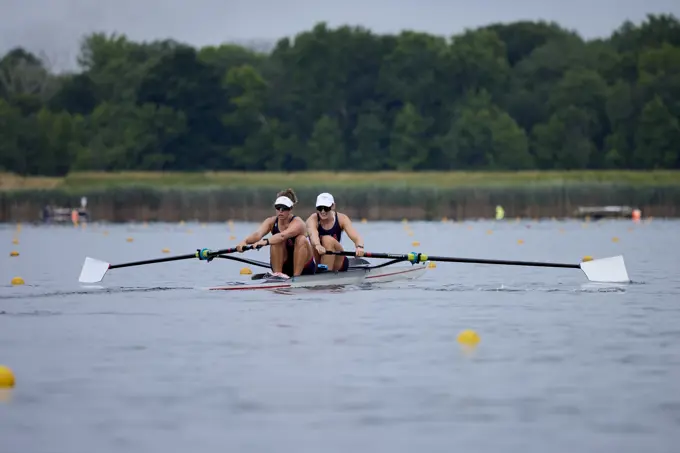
(373, 202)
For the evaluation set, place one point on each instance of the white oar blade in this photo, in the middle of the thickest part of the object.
(606, 270)
(93, 270)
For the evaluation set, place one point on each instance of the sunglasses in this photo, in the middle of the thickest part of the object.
(323, 208)
(280, 207)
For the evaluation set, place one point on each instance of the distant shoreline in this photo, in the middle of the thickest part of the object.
(136, 196)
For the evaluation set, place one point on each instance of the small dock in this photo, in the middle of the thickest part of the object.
(601, 212)
(51, 214)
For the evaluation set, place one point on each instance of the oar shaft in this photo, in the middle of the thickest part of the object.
(503, 262)
(157, 260)
(449, 259)
(174, 258)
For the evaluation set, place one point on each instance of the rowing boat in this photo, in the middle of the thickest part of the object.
(602, 270)
(354, 276)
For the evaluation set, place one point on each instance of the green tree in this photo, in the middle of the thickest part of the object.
(409, 146)
(502, 96)
(482, 135)
(325, 148)
(657, 137)
(371, 136)
(564, 141)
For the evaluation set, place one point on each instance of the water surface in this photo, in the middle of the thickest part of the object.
(149, 360)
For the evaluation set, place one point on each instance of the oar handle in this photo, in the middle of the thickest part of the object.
(421, 257)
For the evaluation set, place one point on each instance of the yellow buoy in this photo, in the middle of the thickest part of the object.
(432, 265)
(489, 231)
(364, 220)
(615, 239)
(13, 253)
(166, 250)
(15, 241)
(415, 243)
(410, 233)
(232, 238)
(246, 271)
(468, 337)
(445, 219)
(520, 241)
(17, 281)
(6, 377)
(129, 239)
(587, 258)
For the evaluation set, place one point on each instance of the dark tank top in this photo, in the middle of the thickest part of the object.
(335, 230)
(275, 230)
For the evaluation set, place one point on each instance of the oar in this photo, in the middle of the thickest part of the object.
(94, 270)
(604, 270)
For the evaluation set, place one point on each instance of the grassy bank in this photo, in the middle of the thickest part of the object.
(84, 181)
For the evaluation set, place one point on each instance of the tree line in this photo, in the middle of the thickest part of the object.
(522, 95)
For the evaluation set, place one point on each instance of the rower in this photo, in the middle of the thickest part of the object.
(290, 252)
(325, 229)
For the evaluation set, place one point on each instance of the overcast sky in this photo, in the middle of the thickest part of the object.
(56, 26)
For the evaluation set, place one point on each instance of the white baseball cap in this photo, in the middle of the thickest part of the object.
(284, 201)
(325, 199)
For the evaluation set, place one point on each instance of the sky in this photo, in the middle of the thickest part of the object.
(54, 28)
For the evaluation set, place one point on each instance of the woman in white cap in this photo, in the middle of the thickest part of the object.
(325, 229)
(290, 252)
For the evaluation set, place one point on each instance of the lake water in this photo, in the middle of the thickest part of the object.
(149, 360)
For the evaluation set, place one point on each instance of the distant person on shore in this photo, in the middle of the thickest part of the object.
(325, 229)
(290, 252)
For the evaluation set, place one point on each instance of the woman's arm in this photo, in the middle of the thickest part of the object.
(295, 228)
(258, 234)
(313, 230)
(353, 234)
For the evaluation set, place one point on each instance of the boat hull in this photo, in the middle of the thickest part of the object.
(386, 274)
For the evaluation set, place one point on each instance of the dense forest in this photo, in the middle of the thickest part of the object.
(521, 95)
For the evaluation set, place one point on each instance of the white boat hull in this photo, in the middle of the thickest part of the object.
(385, 274)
